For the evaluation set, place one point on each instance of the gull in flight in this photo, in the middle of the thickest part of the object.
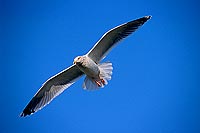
(97, 74)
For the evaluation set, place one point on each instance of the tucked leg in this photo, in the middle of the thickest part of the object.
(98, 83)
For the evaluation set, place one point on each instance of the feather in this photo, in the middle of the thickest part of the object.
(52, 88)
(113, 36)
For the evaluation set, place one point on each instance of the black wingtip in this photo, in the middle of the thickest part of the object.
(26, 112)
(22, 114)
(148, 17)
(140, 21)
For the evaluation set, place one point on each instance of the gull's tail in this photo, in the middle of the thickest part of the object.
(105, 75)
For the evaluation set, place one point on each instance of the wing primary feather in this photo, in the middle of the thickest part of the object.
(52, 88)
(113, 36)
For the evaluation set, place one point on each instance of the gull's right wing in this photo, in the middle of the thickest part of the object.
(52, 88)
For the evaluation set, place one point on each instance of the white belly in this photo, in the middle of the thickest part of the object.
(90, 68)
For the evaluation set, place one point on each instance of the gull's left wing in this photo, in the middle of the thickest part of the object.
(110, 38)
(52, 88)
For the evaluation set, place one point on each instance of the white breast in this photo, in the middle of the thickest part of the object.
(90, 68)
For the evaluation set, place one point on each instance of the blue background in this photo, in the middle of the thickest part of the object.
(155, 85)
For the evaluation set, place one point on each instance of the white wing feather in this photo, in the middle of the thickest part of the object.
(52, 88)
(110, 38)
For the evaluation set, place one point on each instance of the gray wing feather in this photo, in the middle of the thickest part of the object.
(110, 38)
(52, 88)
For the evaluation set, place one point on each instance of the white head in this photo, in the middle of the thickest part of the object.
(79, 60)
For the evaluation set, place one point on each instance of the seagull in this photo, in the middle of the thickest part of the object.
(96, 74)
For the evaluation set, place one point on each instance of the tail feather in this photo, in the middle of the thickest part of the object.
(106, 70)
(105, 75)
(89, 84)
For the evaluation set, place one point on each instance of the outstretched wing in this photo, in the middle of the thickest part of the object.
(110, 38)
(52, 88)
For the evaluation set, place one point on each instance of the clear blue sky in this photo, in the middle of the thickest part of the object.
(155, 86)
